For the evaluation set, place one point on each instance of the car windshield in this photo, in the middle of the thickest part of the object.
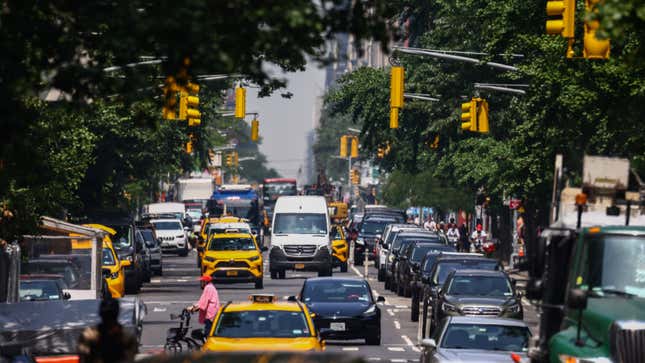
(445, 268)
(401, 241)
(617, 265)
(38, 290)
(300, 223)
(480, 286)
(274, 190)
(108, 257)
(231, 244)
(168, 226)
(69, 272)
(122, 237)
(486, 337)
(374, 227)
(336, 291)
(262, 324)
(420, 251)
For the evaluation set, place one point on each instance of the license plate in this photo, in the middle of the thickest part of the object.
(231, 273)
(299, 266)
(337, 326)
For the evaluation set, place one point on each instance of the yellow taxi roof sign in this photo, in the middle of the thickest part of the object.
(262, 298)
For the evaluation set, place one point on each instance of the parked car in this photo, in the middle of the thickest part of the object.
(344, 308)
(475, 339)
(442, 268)
(480, 293)
(65, 268)
(401, 240)
(154, 250)
(383, 244)
(409, 263)
(42, 287)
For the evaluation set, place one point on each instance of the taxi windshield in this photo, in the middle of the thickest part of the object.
(231, 244)
(108, 257)
(262, 324)
(336, 291)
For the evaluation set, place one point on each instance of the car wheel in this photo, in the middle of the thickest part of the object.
(392, 284)
(387, 283)
(407, 292)
(274, 274)
(199, 262)
(259, 283)
(414, 307)
(343, 267)
(399, 290)
(381, 274)
(282, 274)
(374, 340)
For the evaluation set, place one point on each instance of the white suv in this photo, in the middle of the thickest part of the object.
(172, 236)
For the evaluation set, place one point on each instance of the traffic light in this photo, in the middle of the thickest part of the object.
(255, 130)
(169, 108)
(229, 159)
(189, 144)
(354, 153)
(482, 116)
(236, 158)
(563, 12)
(240, 102)
(594, 48)
(343, 146)
(397, 76)
(189, 105)
(469, 116)
(380, 152)
(355, 177)
(433, 143)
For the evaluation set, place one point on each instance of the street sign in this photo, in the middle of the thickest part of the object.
(514, 203)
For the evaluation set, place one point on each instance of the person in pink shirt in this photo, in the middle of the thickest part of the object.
(208, 304)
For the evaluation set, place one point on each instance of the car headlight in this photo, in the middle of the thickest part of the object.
(370, 310)
(564, 358)
(209, 259)
(360, 241)
(254, 258)
(449, 308)
(127, 258)
(514, 308)
(182, 236)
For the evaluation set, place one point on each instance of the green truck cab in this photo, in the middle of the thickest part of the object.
(591, 287)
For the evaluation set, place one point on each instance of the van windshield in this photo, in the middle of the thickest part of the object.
(300, 223)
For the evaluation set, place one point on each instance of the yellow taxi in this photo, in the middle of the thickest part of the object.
(113, 268)
(340, 248)
(263, 324)
(233, 257)
(203, 233)
(338, 211)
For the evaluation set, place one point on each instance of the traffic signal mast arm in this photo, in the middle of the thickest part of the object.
(447, 55)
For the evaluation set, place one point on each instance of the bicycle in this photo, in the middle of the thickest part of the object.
(177, 338)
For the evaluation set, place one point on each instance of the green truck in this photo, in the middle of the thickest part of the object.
(590, 284)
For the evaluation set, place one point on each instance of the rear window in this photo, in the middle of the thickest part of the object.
(444, 268)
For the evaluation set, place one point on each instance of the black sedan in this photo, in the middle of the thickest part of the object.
(344, 308)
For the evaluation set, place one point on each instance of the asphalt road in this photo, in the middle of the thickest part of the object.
(179, 287)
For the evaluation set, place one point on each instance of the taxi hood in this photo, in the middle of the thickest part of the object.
(222, 255)
(261, 344)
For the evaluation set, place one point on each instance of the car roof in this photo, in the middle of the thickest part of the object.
(229, 235)
(335, 279)
(251, 306)
(165, 220)
(471, 272)
(41, 277)
(486, 321)
(445, 257)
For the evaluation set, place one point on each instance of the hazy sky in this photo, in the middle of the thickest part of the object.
(285, 123)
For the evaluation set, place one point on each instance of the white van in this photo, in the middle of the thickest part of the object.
(300, 236)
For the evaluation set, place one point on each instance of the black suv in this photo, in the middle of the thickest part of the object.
(443, 266)
(401, 240)
(128, 248)
(369, 231)
(409, 262)
(421, 277)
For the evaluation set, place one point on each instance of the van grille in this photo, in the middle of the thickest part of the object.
(300, 250)
(628, 341)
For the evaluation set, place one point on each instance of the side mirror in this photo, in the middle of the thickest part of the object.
(380, 299)
(264, 248)
(66, 296)
(125, 263)
(429, 344)
(577, 299)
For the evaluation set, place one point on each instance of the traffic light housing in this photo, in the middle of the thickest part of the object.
(343, 146)
(229, 159)
(594, 48)
(482, 116)
(189, 105)
(355, 177)
(169, 108)
(240, 102)
(354, 151)
(255, 130)
(189, 147)
(397, 78)
(433, 143)
(380, 152)
(562, 13)
(469, 116)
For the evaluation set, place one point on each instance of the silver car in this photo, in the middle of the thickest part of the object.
(475, 339)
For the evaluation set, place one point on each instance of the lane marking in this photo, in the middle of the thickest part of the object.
(397, 324)
(396, 349)
(398, 360)
(416, 349)
(159, 310)
(350, 349)
(389, 311)
(401, 306)
(168, 302)
(374, 358)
